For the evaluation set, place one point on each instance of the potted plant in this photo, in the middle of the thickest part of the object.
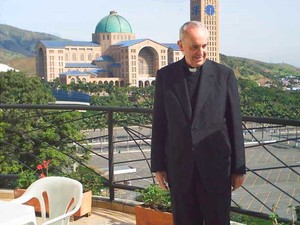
(155, 208)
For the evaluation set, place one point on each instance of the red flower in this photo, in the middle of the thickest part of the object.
(39, 167)
(46, 163)
(43, 168)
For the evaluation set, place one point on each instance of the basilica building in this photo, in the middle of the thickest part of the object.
(114, 56)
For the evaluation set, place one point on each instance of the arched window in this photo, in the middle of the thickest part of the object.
(146, 62)
(81, 57)
(66, 57)
(141, 84)
(73, 57)
(89, 57)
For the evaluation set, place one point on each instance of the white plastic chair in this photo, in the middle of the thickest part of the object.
(64, 196)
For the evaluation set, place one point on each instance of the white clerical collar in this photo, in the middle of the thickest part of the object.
(193, 70)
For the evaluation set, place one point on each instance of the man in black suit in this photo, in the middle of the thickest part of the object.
(197, 141)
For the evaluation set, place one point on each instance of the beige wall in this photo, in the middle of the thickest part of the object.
(54, 59)
(130, 60)
(108, 39)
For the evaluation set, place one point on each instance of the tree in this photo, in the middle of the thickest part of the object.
(27, 137)
(268, 102)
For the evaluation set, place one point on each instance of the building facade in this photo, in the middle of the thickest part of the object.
(207, 12)
(115, 56)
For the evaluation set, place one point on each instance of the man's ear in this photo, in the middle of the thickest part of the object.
(179, 43)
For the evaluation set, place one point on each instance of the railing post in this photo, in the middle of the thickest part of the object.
(111, 155)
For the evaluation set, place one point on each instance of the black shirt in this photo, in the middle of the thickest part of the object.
(192, 81)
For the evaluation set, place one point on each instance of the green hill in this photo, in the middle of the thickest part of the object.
(255, 70)
(18, 43)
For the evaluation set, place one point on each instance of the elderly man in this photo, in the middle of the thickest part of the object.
(197, 141)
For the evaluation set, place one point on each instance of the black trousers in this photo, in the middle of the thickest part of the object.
(198, 206)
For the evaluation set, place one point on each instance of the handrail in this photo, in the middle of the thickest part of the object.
(256, 125)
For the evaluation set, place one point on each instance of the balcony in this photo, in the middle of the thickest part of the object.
(118, 142)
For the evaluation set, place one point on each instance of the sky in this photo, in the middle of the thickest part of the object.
(265, 30)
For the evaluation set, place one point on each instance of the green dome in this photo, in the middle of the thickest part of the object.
(113, 23)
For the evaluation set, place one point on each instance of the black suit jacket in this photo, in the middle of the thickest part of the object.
(210, 137)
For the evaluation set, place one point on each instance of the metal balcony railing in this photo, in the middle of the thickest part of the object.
(119, 140)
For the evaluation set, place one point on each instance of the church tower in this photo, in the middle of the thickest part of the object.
(207, 12)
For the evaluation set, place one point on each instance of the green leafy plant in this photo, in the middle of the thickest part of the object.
(274, 216)
(249, 220)
(155, 198)
(26, 178)
(89, 179)
(297, 211)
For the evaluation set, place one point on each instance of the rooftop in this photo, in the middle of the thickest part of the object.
(113, 23)
(82, 65)
(63, 44)
(172, 46)
(130, 42)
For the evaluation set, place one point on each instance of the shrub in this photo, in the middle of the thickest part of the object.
(155, 198)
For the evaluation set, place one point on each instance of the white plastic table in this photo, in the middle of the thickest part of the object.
(16, 214)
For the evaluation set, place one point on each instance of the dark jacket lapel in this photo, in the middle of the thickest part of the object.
(181, 91)
(205, 88)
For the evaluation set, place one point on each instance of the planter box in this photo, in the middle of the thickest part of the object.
(147, 216)
(86, 206)
(85, 209)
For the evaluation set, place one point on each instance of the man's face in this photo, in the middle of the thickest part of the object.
(194, 46)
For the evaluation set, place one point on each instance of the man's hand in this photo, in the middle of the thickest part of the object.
(161, 177)
(237, 181)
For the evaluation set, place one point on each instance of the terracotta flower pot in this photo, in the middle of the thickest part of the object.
(147, 216)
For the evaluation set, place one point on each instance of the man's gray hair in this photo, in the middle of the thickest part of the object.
(189, 24)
